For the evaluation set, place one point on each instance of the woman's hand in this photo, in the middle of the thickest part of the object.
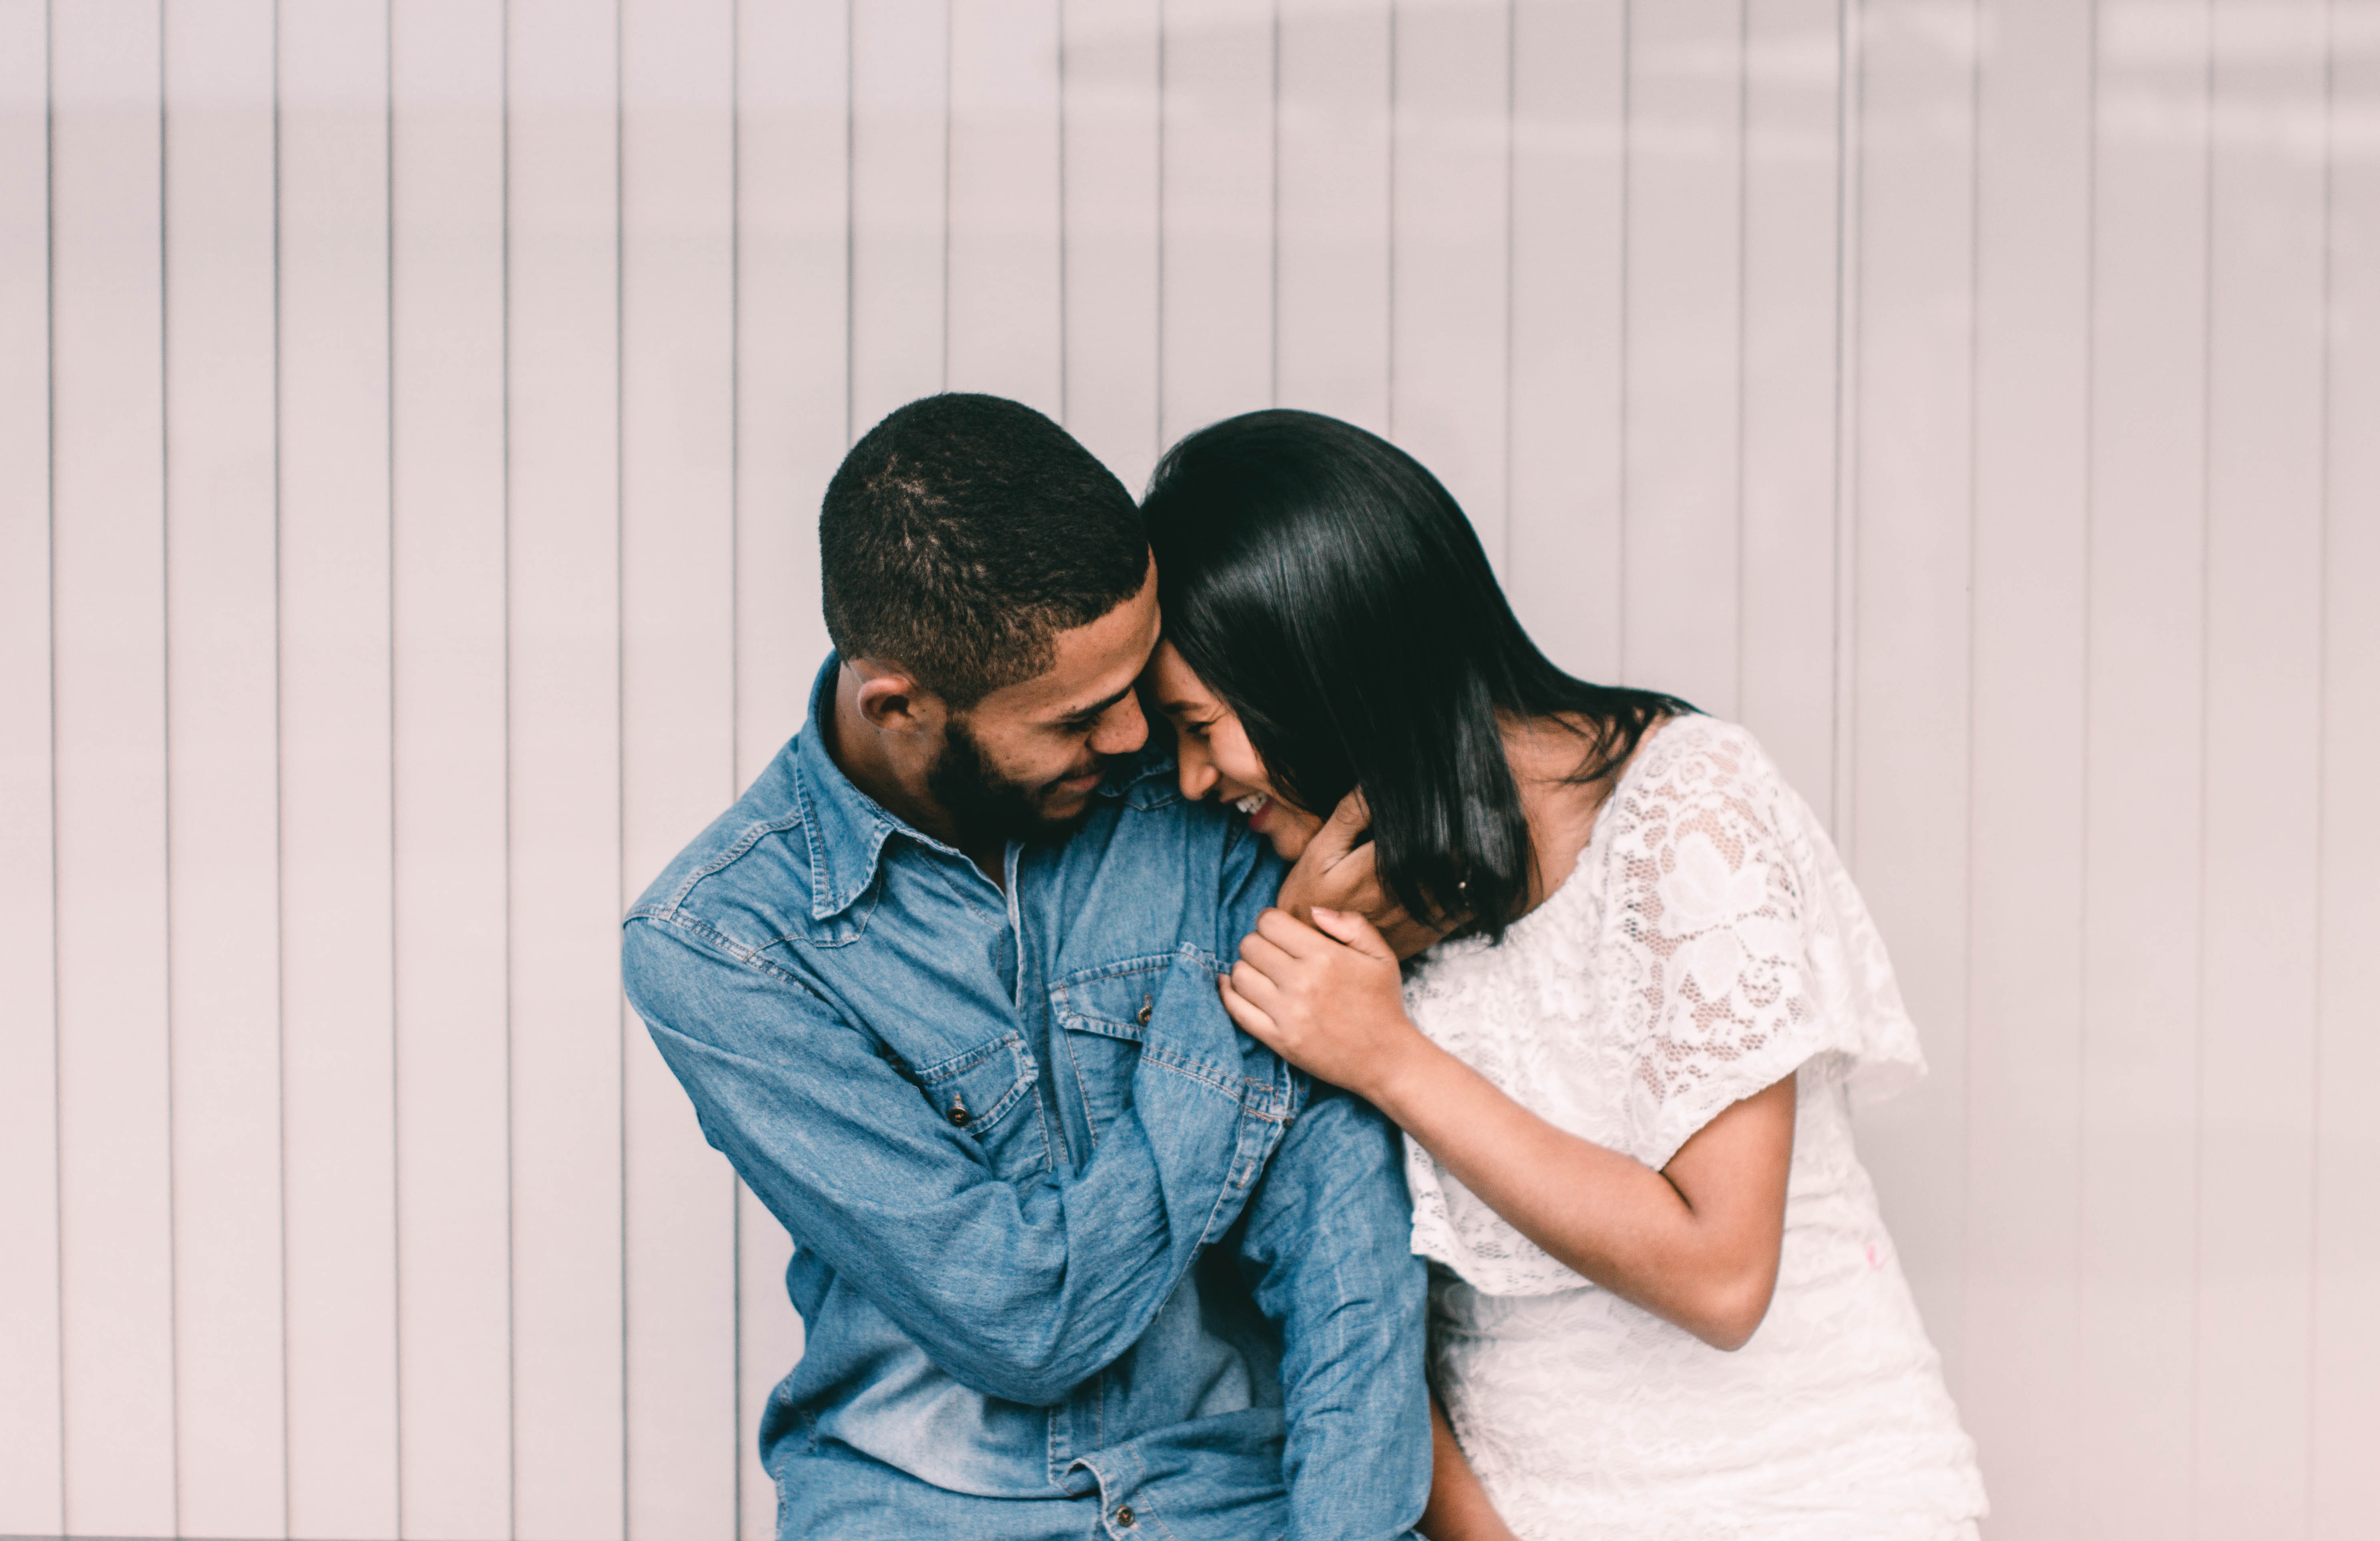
(1697, 1242)
(1340, 869)
(1326, 997)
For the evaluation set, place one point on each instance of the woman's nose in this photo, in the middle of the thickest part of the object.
(1196, 771)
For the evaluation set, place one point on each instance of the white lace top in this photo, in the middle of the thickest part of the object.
(1709, 944)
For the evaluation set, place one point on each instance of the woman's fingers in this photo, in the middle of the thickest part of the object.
(1347, 821)
(1357, 932)
(1339, 834)
(1336, 868)
(1251, 1021)
(1260, 952)
(1289, 934)
(1258, 988)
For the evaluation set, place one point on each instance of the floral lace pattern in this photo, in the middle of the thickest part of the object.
(1709, 944)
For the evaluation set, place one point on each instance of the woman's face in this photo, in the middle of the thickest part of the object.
(1217, 760)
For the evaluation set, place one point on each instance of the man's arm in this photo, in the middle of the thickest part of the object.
(1327, 1251)
(1020, 1294)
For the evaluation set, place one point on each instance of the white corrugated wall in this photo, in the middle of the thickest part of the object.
(411, 417)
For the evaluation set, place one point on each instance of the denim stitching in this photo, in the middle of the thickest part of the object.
(752, 836)
(1027, 1075)
(1083, 1090)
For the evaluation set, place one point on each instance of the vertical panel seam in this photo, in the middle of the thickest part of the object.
(735, 673)
(850, 157)
(504, 427)
(1742, 311)
(950, 116)
(2080, 1218)
(1511, 112)
(850, 218)
(2206, 691)
(1975, 47)
(1851, 233)
(1059, 6)
(620, 681)
(1158, 435)
(166, 738)
(280, 806)
(1389, 421)
(395, 976)
(1627, 178)
(2322, 746)
(50, 510)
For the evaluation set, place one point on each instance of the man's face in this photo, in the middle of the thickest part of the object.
(1022, 762)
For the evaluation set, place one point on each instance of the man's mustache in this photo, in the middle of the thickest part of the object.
(1099, 765)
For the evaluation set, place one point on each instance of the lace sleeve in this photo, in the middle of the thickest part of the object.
(1709, 945)
(1708, 897)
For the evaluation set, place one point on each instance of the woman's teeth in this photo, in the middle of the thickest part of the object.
(1249, 804)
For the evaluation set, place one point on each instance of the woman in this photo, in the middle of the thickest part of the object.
(1663, 1302)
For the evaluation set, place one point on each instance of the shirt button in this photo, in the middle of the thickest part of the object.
(1147, 1006)
(1124, 1518)
(958, 1115)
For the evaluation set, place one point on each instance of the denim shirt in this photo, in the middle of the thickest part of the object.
(1074, 1257)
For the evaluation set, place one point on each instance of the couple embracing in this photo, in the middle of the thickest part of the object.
(1244, 1046)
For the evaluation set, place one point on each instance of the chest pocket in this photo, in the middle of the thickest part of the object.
(986, 1094)
(1103, 1014)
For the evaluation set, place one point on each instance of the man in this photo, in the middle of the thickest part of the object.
(1074, 1257)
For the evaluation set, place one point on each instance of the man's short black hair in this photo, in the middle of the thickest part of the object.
(962, 534)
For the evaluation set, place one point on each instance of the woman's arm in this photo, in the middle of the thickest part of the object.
(1695, 1242)
(1458, 1508)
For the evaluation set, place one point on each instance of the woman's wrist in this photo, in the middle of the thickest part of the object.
(1392, 1083)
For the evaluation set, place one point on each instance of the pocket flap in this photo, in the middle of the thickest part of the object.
(1115, 1000)
(975, 1090)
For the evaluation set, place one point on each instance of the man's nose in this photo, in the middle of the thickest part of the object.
(1120, 729)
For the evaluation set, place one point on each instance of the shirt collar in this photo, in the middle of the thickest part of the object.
(849, 829)
(846, 827)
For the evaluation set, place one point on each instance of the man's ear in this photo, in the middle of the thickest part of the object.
(891, 701)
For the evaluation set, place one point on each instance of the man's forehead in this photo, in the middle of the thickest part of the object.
(1095, 664)
(1085, 682)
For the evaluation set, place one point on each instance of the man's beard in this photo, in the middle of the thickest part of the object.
(983, 803)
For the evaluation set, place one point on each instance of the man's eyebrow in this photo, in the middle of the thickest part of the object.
(1079, 713)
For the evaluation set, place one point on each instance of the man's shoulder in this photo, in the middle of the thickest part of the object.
(1144, 781)
(1151, 860)
(1141, 802)
(751, 862)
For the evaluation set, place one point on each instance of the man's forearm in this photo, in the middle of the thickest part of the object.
(856, 1167)
(1328, 1243)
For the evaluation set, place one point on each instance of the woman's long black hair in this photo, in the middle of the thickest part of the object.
(1323, 583)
